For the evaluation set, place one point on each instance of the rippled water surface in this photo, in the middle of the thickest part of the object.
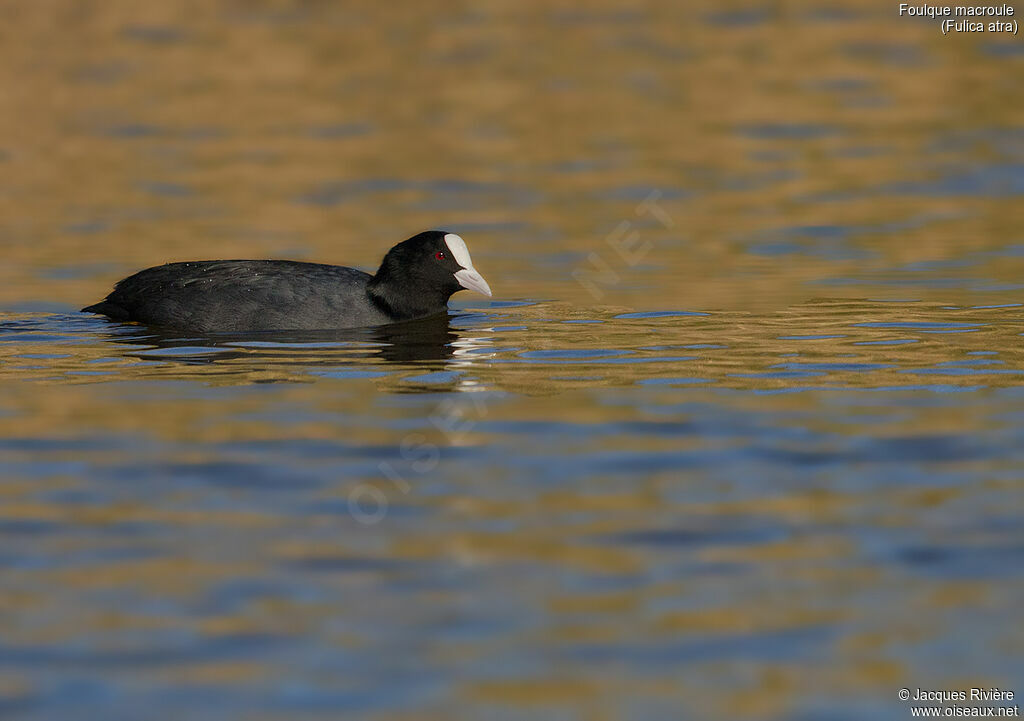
(741, 434)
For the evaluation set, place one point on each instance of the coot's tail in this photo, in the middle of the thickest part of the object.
(105, 307)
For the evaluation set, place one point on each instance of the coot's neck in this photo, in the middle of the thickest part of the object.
(399, 302)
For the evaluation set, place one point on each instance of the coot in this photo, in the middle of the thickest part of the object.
(414, 280)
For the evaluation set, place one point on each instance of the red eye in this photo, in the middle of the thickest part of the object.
(439, 255)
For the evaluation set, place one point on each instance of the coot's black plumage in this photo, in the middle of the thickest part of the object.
(414, 280)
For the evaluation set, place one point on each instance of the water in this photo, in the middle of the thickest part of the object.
(739, 436)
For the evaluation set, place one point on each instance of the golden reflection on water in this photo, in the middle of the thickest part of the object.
(177, 131)
(795, 482)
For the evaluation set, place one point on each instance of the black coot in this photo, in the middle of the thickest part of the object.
(414, 280)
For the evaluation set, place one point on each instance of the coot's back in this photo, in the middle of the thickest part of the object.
(244, 295)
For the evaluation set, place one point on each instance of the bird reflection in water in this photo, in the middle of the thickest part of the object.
(426, 345)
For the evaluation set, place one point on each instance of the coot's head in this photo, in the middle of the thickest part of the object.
(418, 275)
